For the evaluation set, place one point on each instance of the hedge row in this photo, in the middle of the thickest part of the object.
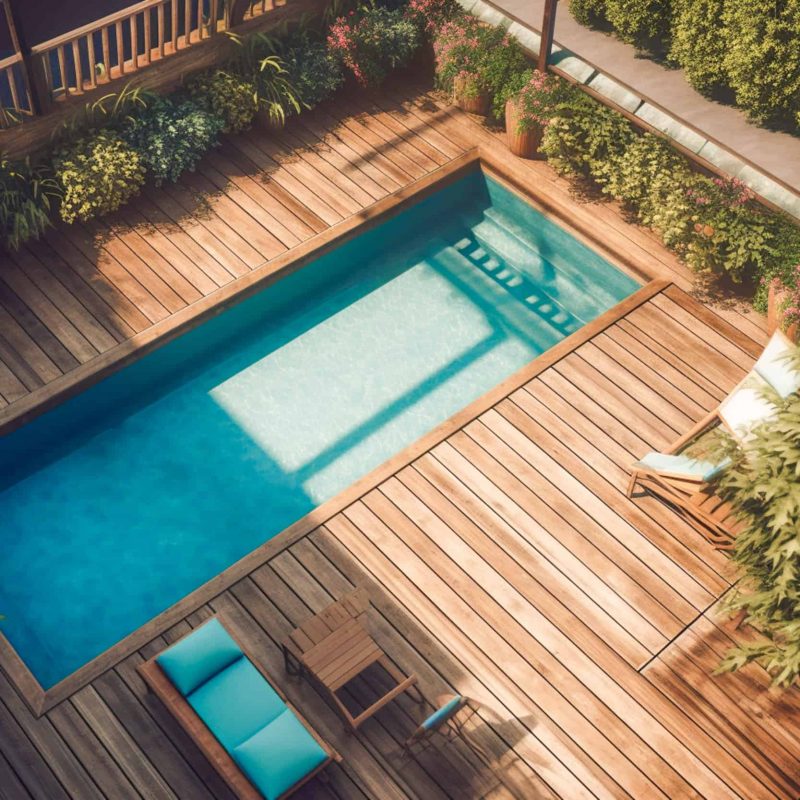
(747, 49)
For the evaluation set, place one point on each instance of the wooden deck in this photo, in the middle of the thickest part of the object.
(502, 558)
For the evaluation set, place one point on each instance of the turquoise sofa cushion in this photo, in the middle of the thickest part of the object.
(199, 656)
(683, 466)
(441, 715)
(279, 755)
(236, 703)
(776, 369)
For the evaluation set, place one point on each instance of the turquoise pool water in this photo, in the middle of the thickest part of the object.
(131, 495)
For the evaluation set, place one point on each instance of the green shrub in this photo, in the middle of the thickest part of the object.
(28, 194)
(430, 15)
(98, 174)
(646, 174)
(371, 42)
(314, 72)
(227, 96)
(699, 43)
(591, 13)
(585, 138)
(172, 137)
(761, 484)
(502, 58)
(643, 23)
(762, 58)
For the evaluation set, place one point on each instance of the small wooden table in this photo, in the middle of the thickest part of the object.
(335, 646)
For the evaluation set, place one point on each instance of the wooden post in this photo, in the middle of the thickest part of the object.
(548, 26)
(32, 66)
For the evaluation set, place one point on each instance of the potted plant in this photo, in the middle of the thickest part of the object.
(529, 101)
(470, 94)
(783, 308)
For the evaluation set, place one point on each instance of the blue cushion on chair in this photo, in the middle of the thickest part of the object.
(776, 369)
(279, 755)
(441, 715)
(682, 466)
(236, 703)
(199, 656)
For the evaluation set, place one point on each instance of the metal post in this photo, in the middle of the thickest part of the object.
(548, 26)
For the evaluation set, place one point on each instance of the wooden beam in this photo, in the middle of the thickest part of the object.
(32, 66)
(548, 26)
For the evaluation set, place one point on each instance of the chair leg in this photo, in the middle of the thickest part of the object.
(631, 484)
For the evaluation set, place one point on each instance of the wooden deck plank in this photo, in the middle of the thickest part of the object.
(503, 561)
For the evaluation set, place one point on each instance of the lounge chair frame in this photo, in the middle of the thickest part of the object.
(158, 682)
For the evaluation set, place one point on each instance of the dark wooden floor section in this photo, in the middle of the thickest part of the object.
(505, 563)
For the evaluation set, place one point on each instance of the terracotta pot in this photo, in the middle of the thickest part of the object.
(475, 104)
(525, 143)
(777, 299)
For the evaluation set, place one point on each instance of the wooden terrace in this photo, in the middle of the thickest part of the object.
(501, 555)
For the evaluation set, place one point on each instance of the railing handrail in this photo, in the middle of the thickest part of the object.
(9, 61)
(96, 25)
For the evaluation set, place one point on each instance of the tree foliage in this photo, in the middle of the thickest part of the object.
(764, 484)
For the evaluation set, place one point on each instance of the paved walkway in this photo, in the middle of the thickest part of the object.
(771, 152)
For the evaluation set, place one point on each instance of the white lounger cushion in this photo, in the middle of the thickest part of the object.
(774, 367)
(747, 406)
(681, 466)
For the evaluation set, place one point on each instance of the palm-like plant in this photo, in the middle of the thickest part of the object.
(763, 483)
(28, 194)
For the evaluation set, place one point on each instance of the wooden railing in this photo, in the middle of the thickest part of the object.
(128, 41)
(14, 90)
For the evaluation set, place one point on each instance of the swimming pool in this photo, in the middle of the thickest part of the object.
(129, 496)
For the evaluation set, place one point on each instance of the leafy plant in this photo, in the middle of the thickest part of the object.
(537, 95)
(762, 56)
(457, 48)
(227, 95)
(97, 173)
(585, 138)
(762, 484)
(502, 57)
(699, 43)
(28, 194)
(643, 23)
(113, 110)
(591, 13)
(371, 41)
(429, 15)
(172, 137)
(314, 72)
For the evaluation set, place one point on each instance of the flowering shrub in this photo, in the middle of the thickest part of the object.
(372, 41)
(482, 59)
(228, 96)
(172, 137)
(537, 95)
(98, 174)
(430, 15)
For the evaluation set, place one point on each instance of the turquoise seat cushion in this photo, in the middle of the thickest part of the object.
(236, 703)
(776, 369)
(441, 715)
(199, 656)
(683, 466)
(279, 755)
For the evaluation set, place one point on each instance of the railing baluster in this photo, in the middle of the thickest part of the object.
(147, 34)
(12, 85)
(62, 68)
(214, 15)
(161, 31)
(134, 28)
(200, 26)
(187, 22)
(92, 62)
(120, 47)
(76, 66)
(174, 19)
(106, 54)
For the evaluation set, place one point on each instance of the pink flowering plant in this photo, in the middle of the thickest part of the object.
(537, 96)
(482, 59)
(429, 15)
(372, 41)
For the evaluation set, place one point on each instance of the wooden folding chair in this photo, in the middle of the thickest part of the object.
(334, 647)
